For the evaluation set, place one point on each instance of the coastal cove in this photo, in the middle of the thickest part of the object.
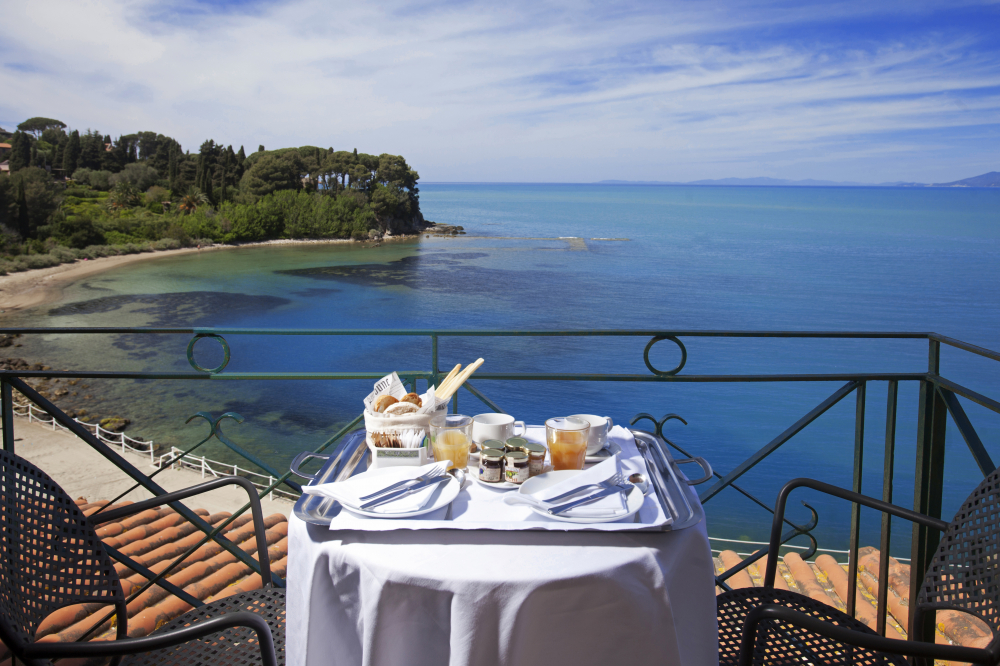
(696, 258)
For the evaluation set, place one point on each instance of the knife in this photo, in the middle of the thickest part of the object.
(406, 491)
(555, 511)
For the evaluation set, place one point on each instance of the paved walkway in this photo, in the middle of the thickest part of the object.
(83, 472)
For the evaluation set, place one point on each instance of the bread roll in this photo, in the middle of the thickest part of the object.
(382, 402)
(400, 408)
(413, 398)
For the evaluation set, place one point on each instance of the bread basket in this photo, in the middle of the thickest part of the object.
(399, 440)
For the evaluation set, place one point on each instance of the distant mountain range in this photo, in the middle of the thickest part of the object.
(991, 179)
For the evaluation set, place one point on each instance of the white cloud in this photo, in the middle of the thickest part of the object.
(554, 92)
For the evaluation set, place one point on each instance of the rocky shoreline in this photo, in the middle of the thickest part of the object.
(72, 396)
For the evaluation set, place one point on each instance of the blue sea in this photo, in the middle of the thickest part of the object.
(537, 257)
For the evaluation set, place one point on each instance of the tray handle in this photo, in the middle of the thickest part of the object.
(301, 458)
(704, 466)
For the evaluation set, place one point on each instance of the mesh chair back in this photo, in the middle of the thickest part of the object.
(50, 556)
(965, 571)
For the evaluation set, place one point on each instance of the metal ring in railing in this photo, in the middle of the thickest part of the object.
(668, 373)
(225, 350)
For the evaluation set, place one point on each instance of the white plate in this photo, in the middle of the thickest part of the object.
(442, 496)
(539, 483)
(502, 486)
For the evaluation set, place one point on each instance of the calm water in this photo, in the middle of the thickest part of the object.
(694, 258)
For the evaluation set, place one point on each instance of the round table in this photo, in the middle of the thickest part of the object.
(512, 598)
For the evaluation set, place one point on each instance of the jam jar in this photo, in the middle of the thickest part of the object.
(516, 467)
(536, 458)
(516, 444)
(491, 444)
(491, 466)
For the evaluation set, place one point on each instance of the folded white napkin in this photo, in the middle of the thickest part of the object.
(612, 505)
(350, 492)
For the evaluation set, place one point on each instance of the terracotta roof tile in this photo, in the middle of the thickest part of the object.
(154, 538)
(827, 581)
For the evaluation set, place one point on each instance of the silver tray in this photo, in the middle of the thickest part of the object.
(351, 458)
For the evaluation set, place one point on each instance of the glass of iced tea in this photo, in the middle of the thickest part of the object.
(567, 439)
(451, 437)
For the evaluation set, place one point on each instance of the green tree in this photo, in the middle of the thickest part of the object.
(71, 156)
(271, 173)
(38, 125)
(21, 201)
(20, 151)
(54, 135)
(172, 165)
(36, 199)
(124, 195)
(139, 174)
(77, 231)
(91, 149)
(98, 180)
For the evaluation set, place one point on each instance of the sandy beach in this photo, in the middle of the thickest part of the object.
(29, 289)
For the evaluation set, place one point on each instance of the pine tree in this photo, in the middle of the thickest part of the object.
(57, 156)
(225, 173)
(199, 177)
(208, 185)
(172, 166)
(71, 156)
(20, 151)
(21, 201)
(260, 148)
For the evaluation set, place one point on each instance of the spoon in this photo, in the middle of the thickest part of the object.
(639, 481)
(459, 475)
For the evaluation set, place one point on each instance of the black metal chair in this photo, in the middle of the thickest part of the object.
(51, 557)
(770, 626)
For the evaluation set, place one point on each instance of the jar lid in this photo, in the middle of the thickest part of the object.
(492, 444)
(516, 442)
(493, 454)
(517, 456)
(535, 449)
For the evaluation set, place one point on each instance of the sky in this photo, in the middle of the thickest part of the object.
(532, 91)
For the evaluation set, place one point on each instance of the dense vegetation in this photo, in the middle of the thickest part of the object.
(71, 194)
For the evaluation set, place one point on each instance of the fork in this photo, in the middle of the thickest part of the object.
(617, 479)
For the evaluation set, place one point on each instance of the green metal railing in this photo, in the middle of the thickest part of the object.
(938, 401)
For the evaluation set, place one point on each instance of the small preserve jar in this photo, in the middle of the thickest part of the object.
(516, 467)
(516, 444)
(491, 466)
(536, 458)
(491, 444)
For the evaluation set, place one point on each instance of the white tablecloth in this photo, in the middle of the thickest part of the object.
(483, 598)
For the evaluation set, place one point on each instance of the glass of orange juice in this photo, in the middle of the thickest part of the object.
(567, 439)
(451, 437)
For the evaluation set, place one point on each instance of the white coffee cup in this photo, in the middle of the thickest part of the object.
(495, 426)
(600, 426)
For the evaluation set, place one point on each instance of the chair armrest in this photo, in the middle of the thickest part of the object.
(849, 495)
(157, 641)
(853, 637)
(258, 515)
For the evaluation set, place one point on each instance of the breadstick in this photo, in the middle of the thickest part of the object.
(447, 380)
(444, 382)
(457, 383)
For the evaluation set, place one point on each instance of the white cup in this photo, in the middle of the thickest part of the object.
(495, 426)
(600, 426)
